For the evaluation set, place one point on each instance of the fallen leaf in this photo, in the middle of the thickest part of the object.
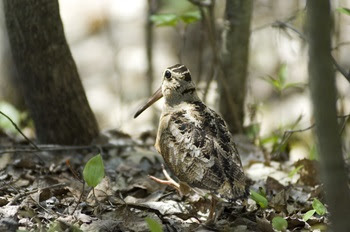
(309, 173)
(273, 185)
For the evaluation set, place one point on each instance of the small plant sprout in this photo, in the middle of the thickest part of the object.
(94, 171)
(318, 208)
(259, 199)
(153, 225)
(171, 20)
(279, 223)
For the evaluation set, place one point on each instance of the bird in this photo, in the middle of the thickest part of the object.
(194, 140)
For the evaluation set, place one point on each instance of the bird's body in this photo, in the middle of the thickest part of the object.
(194, 140)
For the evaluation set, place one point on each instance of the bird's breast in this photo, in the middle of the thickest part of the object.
(163, 125)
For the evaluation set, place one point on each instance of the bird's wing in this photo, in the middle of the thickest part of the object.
(198, 148)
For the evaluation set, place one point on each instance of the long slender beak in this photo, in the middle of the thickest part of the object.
(155, 97)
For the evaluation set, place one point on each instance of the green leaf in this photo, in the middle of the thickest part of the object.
(274, 82)
(190, 17)
(167, 20)
(294, 85)
(272, 139)
(344, 10)
(279, 84)
(308, 214)
(259, 199)
(94, 171)
(279, 223)
(295, 171)
(253, 130)
(262, 192)
(153, 225)
(319, 207)
(282, 74)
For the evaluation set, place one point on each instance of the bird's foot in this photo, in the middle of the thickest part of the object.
(215, 210)
(170, 181)
(166, 182)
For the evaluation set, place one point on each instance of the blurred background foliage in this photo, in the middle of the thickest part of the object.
(108, 41)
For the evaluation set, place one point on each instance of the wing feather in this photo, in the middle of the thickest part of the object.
(198, 148)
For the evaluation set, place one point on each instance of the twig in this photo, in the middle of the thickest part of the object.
(9, 184)
(75, 174)
(300, 130)
(19, 195)
(183, 35)
(343, 116)
(19, 130)
(211, 32)
(201, 3)
(281, 24)
(201, 44)
(58, 214)
(52, 147)
(212, 75)
(341, 44)
(80, 197)
(288, 133)
(341, 69)
(271, 23)
(346, 117)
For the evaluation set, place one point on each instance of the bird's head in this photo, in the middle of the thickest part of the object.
(177, 86)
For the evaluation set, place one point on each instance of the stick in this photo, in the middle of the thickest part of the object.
(19, 195)
(54, 147)
(19, 130)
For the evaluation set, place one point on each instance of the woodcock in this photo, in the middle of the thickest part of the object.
(194, 140)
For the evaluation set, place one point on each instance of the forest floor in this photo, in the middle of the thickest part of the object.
(44, 191)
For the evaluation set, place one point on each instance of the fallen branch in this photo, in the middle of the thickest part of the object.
(54, 147)
(19, 195)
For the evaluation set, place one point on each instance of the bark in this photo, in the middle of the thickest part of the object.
(8, 89)
(234, 62)
(47, 75)
(323, 94)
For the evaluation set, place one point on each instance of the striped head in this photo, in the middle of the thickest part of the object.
(177, 86)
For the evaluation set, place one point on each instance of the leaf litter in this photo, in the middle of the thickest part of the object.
(45, 191)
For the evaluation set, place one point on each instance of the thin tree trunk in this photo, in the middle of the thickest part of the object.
(149, 37)
(234, 61)
(323, 93)
(47, 74)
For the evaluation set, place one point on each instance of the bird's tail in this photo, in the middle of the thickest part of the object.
(234, 191)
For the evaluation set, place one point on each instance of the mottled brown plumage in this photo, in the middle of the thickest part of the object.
(194, 140)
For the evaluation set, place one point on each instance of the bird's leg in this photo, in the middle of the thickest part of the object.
(169, 180)
(212, 207)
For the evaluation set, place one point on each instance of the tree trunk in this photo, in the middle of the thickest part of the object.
(323, 94)
(234, 62)
(149, 39)
(47, 74)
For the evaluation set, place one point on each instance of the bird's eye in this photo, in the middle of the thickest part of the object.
(167, 74)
